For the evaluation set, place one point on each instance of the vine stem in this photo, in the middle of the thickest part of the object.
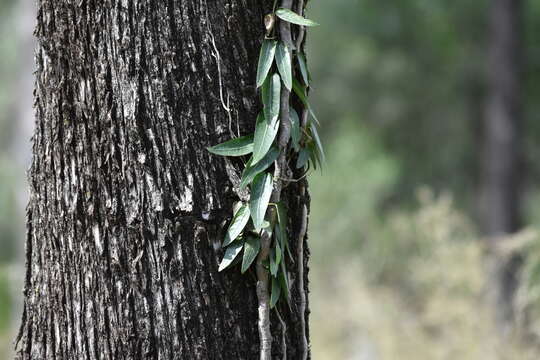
(302, 29)
(283, 336)
(300, 39)
(285, 27)
(300, 261)
(265, 335)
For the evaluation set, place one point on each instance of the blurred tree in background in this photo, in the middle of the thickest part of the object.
(411, 72)
(9, 232)
(501, 169)
(402, 88)
(7, 173)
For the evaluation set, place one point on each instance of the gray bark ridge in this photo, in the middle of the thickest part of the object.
(127, 208)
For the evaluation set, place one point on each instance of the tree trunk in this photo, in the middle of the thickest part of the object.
(502, 170)
(127, 208)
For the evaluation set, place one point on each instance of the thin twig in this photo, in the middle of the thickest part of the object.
(217, 56)
(301, 29)
(291, 180)
(283, 335)
(285, 27)
(265, 336)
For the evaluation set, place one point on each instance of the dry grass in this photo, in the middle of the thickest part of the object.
(431, 306)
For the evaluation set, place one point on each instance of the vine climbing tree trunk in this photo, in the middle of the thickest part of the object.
(127, 208)
(502, 164)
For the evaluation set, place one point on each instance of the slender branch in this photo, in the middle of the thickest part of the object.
(301, 290)
(285, 27)
(265, 336)
(300, 39)
(301, 29)
(283, 335)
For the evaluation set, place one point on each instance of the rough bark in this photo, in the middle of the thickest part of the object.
(127, 208)
(502, 165)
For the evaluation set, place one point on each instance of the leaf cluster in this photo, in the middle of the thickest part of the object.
(277, 65)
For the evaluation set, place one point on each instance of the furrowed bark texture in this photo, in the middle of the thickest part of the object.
(127, 208)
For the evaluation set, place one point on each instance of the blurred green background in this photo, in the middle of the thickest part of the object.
(398, 266)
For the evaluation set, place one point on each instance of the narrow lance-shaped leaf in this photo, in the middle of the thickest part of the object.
(235, 147)
(238, 223)
(261, 190)
(292, 17)
(266, 57)
(303, 157)
(251, 170)
(283, 61)
(279, 253)
(230, 254)
(274, 265)
(265, 133)
(303, 67)
(282, 238)
(284, 281)
(313, 155)
(271, 93)
(318, 143)
(276, 292)
(295, 129)
(251, 250)
(275, 258)
(282, 217)
(300, 91)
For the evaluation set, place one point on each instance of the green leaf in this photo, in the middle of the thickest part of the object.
(266, 57)
(295, 128)
(284, 281)
(235, 147)
(261, 190)
(274, 265)
(230, 254)
(303, 157)
(282, 217)
(292, 17)
(303, 67)
(239, 221)
(283, 61)
(251, 250)
(276, 292)
(265, 133)
(251, 170)
(300, 91)
(312, 113)
(271, 93)
(278, 256)
(279, 253)
(281, 234)
(318, 143)
(313, 155)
